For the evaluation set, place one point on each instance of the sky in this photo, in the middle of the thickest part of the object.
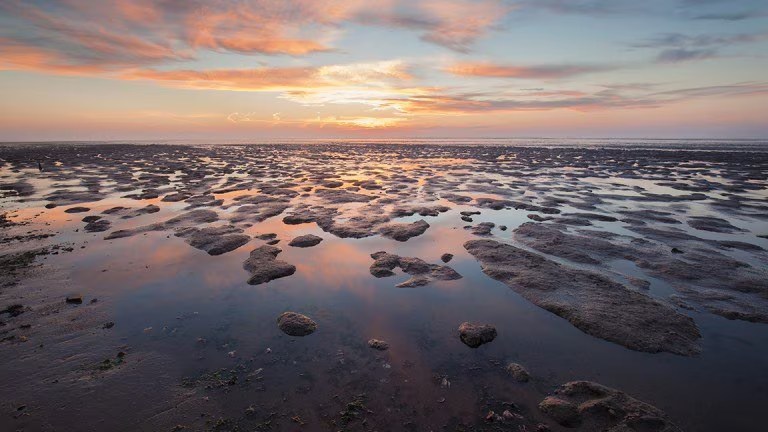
(273, 69)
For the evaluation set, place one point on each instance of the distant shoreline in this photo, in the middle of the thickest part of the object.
(677, 144)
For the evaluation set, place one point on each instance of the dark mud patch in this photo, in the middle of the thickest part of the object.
(591, 302)
(264, 265)
(214, 240)
(305, 241)
(404, 231)
(423, 273)
(194, 217)
(587, 406)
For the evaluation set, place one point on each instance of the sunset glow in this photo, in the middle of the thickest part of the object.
(146, 69)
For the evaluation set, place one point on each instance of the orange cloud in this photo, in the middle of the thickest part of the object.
(460, 23)
(126, 34)
(18, 56)
(289, 79)
(545, 72)
(261, 79)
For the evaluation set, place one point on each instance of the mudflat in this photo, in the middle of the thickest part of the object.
(320, 287)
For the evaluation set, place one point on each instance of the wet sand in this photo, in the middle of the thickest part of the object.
(142, 286)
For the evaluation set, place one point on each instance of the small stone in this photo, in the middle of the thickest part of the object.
(108, 325)
(563, 412)
(77, 210)
(304, 241)
(296, 324)
(74, 299)
(518, 372)
(446, 257)
(474, 335)
(378, 344)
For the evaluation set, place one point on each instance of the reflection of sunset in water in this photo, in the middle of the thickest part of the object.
(199, 314)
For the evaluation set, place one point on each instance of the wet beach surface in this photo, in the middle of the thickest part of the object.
(141, 287)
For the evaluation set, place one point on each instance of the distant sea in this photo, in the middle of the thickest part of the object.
(751, 145)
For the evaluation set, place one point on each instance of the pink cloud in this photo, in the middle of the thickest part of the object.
(545, 72)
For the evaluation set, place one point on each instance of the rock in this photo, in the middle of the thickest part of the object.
(642, 216)
(149, 209)
(194, 217)
(591, 302)
(13, 310)
(100, 225)
(592, 216)
(91, 218)
(296, 324)
(108, 325)
(446, 257)
(702, 270)
(74, 299)
(456, 198)
(264, 265)
(493, 203)
(539, 218)
(713, 224)
(176, 197)
(590, 406)
(340, 196)
(304, 241)
(214, 240)
(416, 281)
(115, 210)
(404, 231)
(378, 344)
(482, 229)
(257, 208)
(402, 211)
(561, 411)
(518, 372)
(77, 210)
(422, 271)
(474, 335)
(332, 184)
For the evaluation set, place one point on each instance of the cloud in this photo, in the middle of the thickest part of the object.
(387, 87)
(738, 89)
(712, 10)
(455, 24)
(107, 36)
(725, 10)
(545, 72)
(268, 79)
(677, 55)
(730, 16)
(587, 7)
(678, 47)
(460, 23)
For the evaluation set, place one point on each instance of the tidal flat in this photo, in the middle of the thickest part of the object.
(383, 287)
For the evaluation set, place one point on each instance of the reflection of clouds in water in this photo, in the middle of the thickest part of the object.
(154, 278)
